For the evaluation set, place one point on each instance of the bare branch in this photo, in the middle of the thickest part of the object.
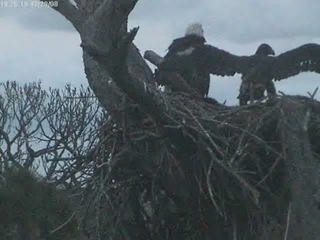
(70, 12)
(153, 57)
(62, 225)
(313, 94)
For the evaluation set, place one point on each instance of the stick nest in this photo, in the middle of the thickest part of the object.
(208, 172)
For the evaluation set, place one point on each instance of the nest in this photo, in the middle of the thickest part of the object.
(210, 172)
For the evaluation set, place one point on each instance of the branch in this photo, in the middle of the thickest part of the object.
(62, 225)
(113, 69)
(111, 8)
(153, 57)
(108, 24)
(70, 12)
(177, 84)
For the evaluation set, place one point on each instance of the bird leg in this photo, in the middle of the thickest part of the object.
(271, 89)
(244, 92)
(251, 92)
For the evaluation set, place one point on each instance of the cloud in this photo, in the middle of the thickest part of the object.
(240, 21)
(53, 57)
(40, 43)
(34, 18)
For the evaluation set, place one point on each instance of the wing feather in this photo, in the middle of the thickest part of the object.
(213, 60)
(301, 59)
(221, 62)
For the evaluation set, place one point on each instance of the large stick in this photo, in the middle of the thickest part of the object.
(153, 57)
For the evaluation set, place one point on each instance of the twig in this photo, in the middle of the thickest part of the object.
(215, 204)
(80, 97)
(270, 170)
(62, 225)
(288, 222)
(234, 228)
(205, 132)
(313, 94)
(251, 189)
(240, 147)
(247, 132)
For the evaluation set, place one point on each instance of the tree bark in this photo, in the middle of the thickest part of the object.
(303, 172)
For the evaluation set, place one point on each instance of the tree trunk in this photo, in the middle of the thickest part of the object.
(303, 172)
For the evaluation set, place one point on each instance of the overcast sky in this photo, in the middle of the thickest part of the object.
(39, 44)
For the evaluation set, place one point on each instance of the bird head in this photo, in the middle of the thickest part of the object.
(195, 29)
(265, 49)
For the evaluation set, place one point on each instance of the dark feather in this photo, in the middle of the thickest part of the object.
(195, 75)
(220, 62)
(258, 70)
(183, 43)
(305, 58)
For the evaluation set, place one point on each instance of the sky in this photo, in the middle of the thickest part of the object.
(38, 44)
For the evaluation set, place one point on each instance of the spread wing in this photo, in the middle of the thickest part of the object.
(220, 62)
(302, 59)
(305, 58)
(212, 60)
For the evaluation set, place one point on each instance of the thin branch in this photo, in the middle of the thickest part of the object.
(288, 222)
(255, 193)
(215, 204)
(62, 225)
(313, 94)
(206, 133)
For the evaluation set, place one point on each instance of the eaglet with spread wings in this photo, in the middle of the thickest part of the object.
(258, 70)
